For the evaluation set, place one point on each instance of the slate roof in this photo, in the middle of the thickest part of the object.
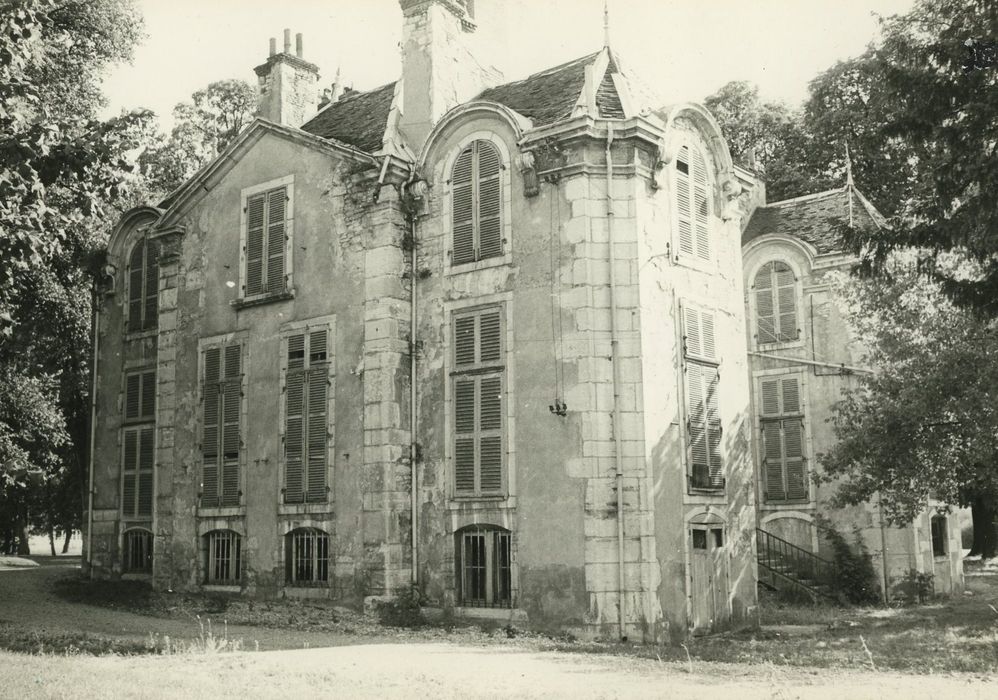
(817, 219)
(357, 119)
(547, 96)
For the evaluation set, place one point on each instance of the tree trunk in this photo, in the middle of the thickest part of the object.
(21, 529)
(983, 510)
(69, 536)
(52, 540)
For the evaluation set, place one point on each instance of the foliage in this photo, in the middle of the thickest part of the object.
(403, 610)
(913, 588)
(854, 579)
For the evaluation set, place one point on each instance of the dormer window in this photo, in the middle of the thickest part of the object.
(692, 204)
(476, 187)
(143, 286)
(775, 289)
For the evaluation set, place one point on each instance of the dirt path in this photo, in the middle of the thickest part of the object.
(26, 599)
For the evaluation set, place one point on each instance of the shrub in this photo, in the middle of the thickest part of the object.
(853, 578)
(914, 587)
(403, 610)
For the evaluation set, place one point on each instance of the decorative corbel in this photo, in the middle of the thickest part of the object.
(106, 277)
(416, 197)
(732, 191)
(528, 169)
(662, 158)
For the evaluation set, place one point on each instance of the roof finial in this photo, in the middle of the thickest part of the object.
(606, 24)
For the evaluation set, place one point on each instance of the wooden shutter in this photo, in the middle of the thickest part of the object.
(294, 421)
(696, 423)
(463, 214)
(684, 206)
(211, 432)
(490, 337)
(133, 396)
(702, 405)
(254, 244)
(146, 461)
(130, 463)
(776, 303)
(773, 460)
(765, 311)
(136, 286)
(490, 427)
(276, 223)
(148, 405)
(701, 206)
(317, 386)
(793, 452)
(231, 409)
(698, 333)
(715, 468)
(786, 301)
(783, 439)
(151, 273)
(464, 429)
(489, 200)
(464, 340)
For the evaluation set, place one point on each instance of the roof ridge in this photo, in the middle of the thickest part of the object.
(805, 197)
(561, 66)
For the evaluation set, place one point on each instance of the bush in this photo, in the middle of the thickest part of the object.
(914, 587)
(853, 579)
(403, 610)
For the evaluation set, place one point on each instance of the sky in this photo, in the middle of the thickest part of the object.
(683, 49)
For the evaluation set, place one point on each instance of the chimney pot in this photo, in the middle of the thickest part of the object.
(273, 46)
(298, 45)
(287, 41)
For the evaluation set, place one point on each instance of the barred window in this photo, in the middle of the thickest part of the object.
(137, 552)
(143, 286)
(476, 186)
(484, 567)
(307, 557)
(224, 557)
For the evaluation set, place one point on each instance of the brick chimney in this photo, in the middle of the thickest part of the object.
(288, 85)
(440, 68)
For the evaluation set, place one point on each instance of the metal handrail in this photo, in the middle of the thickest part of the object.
(796, 564)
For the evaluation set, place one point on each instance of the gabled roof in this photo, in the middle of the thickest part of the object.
(817, 219)
(358, 119)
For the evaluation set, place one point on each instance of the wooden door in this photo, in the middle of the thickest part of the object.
(708, 578)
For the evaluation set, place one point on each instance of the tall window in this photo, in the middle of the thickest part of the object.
(775, 303)
(307, 557)
(137, 552)
(224, 557)
(306, 431)
(782, 424)
(138, 444)
(478, 403)
(221, 408)
(692, 204)
(703, 419)
(476, 185)
(939, 535)
(143, 286)
(266, 238)
(484, 571)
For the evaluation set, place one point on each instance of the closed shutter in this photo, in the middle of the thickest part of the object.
(231, 403)
(211, 426)
(793, 447)
(490, 337)
(148, 404)
(684, 206)
(699, 333)
(276, 208)
(773, 460)
(146, 460)
(463, 216)
(133, 396)
(786, 302)
(783, 439)
(130, 465)
(136, 285)
(765, 311)
(254, 244)
(306, 432)
(715, 470)
(464, 428)
(701, 206)
(706, 468)
(151, 285)
(776, 303)
(490, 426)
(696, 411)
(318, 388)
(489, 201)
(294, 421)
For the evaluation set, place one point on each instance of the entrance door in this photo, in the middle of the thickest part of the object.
(708, 577)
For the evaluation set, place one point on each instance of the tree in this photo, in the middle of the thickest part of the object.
(203, 128)
(926, 424)
(61, 172)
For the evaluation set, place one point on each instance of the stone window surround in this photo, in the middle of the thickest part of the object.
(504, 300)
(211, 524)
(507, 208)
(145, 526)
(240, 338)
(690, 137)
(764, 257)
(808, 447)
(287, 330)
(243, 299)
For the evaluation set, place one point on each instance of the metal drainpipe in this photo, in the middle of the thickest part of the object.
(93, 433)
(413, 471)
(615, 368)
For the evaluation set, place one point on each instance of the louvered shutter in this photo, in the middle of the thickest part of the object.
(773, 460)
(463, 215)
(684, 207)
(464, 429)
(783, 439)
(294, 421)
(701, 206)
(317, 385)
(130, 465)
(148, 406)
(146, 460)
(786, 301)
(489, 200)
(715, 469)
(693, 345)
(696, 413)
(464, 341)
(211, 419)
(136, 286)
(254, 244)
(151, 285)
(490, 337)
(793, 446)
(490, 427)
(133, 396)
(231, 409)
(276, 216)
(765, 310)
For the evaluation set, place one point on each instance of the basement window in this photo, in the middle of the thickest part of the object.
(307, 557)
(137, 552)
(224, 557)
(484, 569)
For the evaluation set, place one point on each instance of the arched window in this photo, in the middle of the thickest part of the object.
(307, 557)
(143, 286)
(692, 204)
(476, 187)
(223, 557)
(483, 565)
(136, 555)
(775, 303)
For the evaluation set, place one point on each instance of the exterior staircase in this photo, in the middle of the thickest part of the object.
(784, 566)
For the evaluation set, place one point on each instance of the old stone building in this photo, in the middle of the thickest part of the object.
(479, 336)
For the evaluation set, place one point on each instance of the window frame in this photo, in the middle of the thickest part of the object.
(287, 291)
(322, 566)
(233, 559)
(764, 418)
(496, 564)
(127, 567)
(475, 372)
(777, 307)
(204, 346)
(145, 324)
